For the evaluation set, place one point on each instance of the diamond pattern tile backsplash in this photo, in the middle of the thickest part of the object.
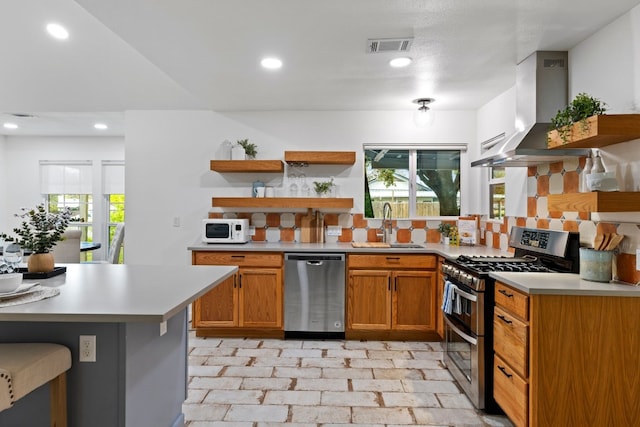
(542, 180)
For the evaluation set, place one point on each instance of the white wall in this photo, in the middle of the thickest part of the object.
(607, 66)
(495, 117)
(21, 169)
(168, 153)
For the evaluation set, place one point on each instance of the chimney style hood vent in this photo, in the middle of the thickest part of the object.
(541, 90)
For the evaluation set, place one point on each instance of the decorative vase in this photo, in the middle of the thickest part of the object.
(40, 263)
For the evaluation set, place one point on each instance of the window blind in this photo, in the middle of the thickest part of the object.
(112, 177)
(61, 177)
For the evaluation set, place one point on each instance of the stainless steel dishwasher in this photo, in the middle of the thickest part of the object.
(314, 292)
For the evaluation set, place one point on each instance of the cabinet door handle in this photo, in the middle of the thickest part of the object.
(395, 284)
(237, 256)
(235, 281)
(505, 293)
(504, 319)
(393, 258)
(239, 281)
(504, 371)
(389, 283)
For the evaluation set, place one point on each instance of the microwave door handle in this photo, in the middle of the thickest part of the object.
(468, 338)
(466, 295)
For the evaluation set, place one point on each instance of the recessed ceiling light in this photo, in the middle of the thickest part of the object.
(271, 63)
(58, 31)
(101, 126)
(10, 126)
(400, 62)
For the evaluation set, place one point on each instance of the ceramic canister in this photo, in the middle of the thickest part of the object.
(256, 185)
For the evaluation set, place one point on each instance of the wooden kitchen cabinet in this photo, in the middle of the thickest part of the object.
(391, 297)
(250, 303)
(566, 359)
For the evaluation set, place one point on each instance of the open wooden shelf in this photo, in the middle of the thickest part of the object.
(602, 130)
(282, 202)
(247, 166)
(320, 157)
(595, 201)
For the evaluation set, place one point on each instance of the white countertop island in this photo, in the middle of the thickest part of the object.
(119, 293)
(138, 315)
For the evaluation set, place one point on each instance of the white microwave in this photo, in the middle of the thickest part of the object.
(217, 230)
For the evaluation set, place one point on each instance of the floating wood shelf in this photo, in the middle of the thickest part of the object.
(320, 157)
(282, 202)
(247, 166)
(595, 201)
(600, 131)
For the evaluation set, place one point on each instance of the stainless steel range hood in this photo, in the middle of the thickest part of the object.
(541, 90)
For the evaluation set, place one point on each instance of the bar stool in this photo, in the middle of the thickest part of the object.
(26, 366)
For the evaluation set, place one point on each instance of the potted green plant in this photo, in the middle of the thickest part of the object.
(445, 228)
(323, 188)
(249, 149)
(579, 111)
(39, 232)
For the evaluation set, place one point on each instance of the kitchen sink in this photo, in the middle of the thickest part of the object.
(406, 245)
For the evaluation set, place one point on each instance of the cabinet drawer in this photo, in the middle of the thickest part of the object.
(241, 259)
(514, 301)
(511, 392)
(511, 340)
(393, 261)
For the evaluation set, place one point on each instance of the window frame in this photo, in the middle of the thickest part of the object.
(413, 150)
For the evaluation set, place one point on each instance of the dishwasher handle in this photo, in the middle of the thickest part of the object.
(313, 258)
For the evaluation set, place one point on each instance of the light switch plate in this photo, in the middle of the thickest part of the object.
(638, 259)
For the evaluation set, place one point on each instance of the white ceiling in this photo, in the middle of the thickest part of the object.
(204, 54)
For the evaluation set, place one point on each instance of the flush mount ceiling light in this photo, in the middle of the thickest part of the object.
(10, 126)
(424, 116)
(400, 62)
(271, 63)
(101, 126)
(57, 31)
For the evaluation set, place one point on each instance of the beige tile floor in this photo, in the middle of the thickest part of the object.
(263, 382)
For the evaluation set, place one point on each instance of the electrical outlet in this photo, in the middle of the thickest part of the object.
(334, 230)
(87, 348)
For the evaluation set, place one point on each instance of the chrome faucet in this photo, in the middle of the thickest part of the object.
(387, 226)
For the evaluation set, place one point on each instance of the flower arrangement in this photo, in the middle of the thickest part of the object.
(40, 230)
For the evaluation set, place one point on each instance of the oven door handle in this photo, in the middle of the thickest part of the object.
(468, 338)
(466, 295)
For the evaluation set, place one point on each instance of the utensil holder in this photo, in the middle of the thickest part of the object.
(595, 265)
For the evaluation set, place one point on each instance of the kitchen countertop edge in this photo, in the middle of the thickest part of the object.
(447, 251)
(563, 284)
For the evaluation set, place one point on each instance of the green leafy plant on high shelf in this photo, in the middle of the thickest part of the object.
(250, 149)
(578, 111)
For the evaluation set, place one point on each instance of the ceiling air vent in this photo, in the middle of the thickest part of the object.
(389, 45)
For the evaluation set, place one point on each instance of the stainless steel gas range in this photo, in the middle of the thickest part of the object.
(469, 298)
